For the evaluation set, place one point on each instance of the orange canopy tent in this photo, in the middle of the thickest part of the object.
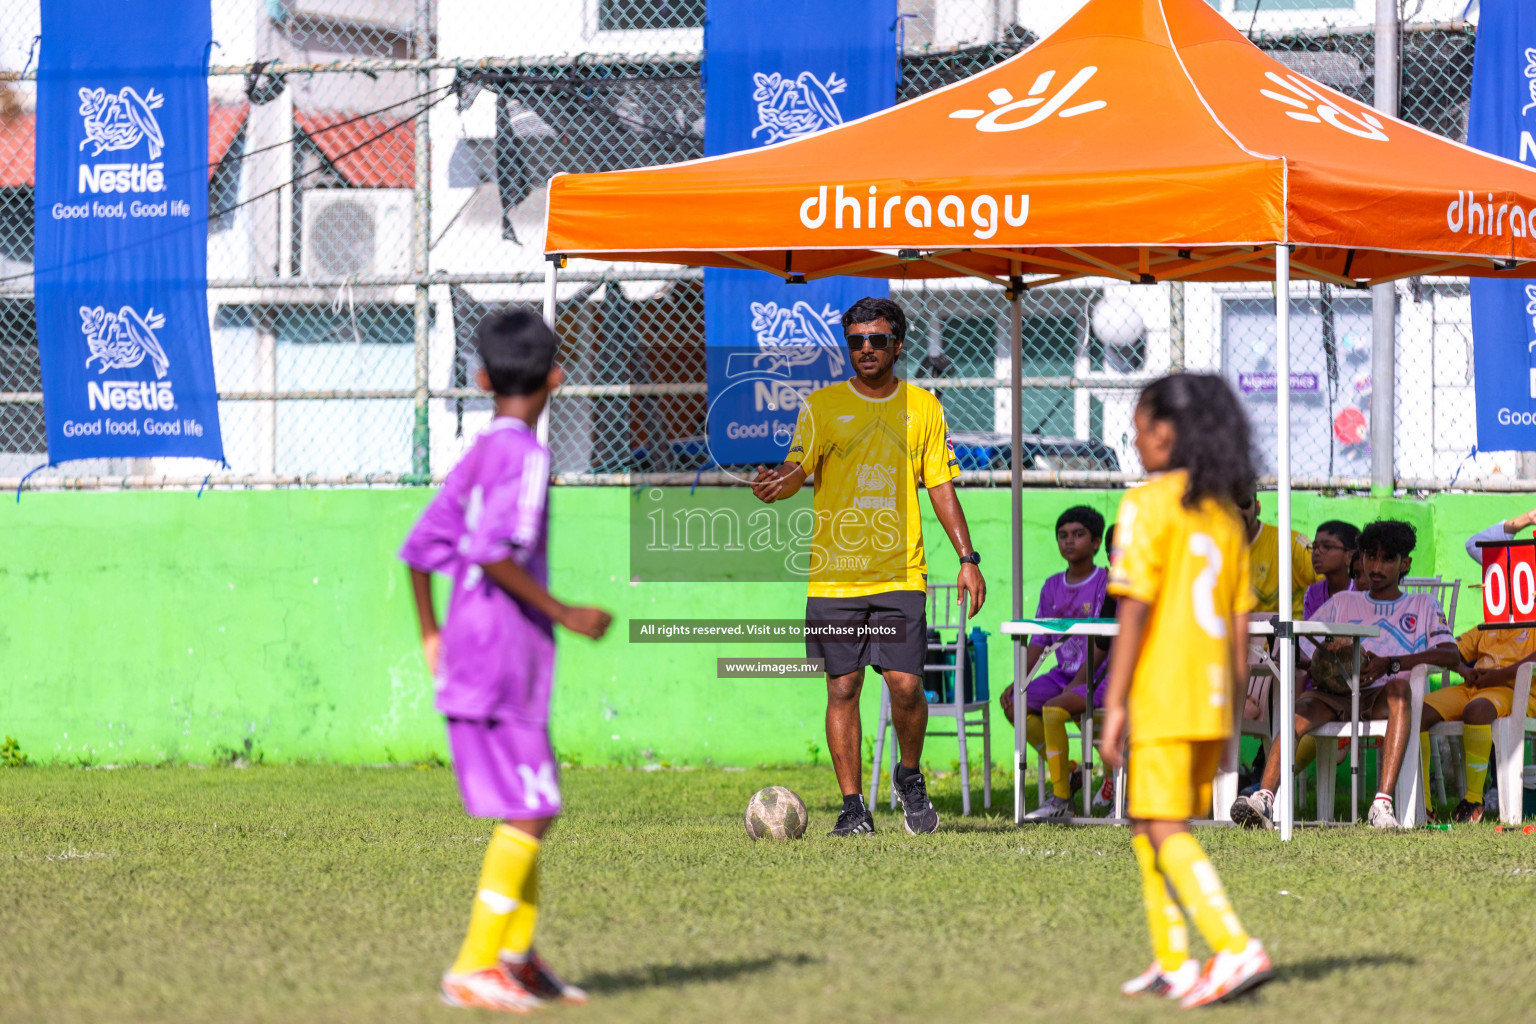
(1145, 140)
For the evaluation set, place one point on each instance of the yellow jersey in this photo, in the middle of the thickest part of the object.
(1191, 567)
(867, 457)
(1264, 558)
(1488, 649)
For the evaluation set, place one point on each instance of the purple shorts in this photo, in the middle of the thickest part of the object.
(1055, 682)
(505, 770)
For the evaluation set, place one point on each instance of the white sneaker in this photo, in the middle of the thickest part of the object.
(1054, 807)
(1380, 815)
(1230, 974)
(1256, 811)
(1154, 981)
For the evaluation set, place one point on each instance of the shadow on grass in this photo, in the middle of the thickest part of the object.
(1311, 970)
(671, 975)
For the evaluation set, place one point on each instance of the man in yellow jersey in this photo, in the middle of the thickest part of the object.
(868, 443)
(1490, 658)
(1264, 559)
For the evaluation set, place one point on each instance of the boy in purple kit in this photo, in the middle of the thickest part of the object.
(1059, 695)
(494, 658)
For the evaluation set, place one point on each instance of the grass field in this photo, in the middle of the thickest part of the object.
(338, 894)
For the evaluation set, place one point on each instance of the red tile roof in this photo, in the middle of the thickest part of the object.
(367, 151)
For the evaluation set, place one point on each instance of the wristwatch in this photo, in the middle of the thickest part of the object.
(1394, 666)
(974, 558)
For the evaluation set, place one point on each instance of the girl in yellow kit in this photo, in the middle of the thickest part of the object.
(1180, 571)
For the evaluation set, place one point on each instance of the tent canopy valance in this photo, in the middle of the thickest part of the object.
(1146, 140)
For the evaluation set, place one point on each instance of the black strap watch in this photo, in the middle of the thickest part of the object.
(974, 558)
(1394, 667)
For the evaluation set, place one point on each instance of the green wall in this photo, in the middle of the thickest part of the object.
(151, 626)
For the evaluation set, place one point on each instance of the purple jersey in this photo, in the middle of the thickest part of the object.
(1316, 596)
(1081, 600)
(497, 654)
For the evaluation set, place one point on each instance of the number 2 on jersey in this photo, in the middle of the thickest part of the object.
(1203, 592)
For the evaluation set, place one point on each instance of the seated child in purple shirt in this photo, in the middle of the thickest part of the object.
(494, 658)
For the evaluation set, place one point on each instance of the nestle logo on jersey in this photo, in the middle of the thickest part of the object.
(130, 394)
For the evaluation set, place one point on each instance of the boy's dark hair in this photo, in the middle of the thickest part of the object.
(517, 349)
(1085, 517)
(1212, 439)
(1348, 534)
(1391, 537)
(869, 309)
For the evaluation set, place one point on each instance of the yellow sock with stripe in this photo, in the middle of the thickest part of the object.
(1477, 741)
(1055, 722)
(509, 860)
(518, 939)
(1034, 733)
(1170, 934)
(1194, 878)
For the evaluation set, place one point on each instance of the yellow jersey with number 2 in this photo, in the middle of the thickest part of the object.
(1191, 566)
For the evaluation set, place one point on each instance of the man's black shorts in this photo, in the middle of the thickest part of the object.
(906, 610)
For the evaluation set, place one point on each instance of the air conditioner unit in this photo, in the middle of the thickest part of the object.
(356, 232)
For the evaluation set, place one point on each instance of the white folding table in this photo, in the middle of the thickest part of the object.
(1023, 629)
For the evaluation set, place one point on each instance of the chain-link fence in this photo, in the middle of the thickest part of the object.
(377, 176)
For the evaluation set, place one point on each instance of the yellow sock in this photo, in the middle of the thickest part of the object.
(1034, 733)
(1429, 796)
(509, 860)
(1477, 741)
(518, 939)
(1170, 935)
(1306, 752)
(1194, 878)
(1055, 727)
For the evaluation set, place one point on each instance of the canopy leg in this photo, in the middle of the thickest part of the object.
(1285, 798)
(551, 311)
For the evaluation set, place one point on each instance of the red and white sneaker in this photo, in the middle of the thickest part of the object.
(1104, 799)
(490, 989)
(534, 975)
(1155, 981)
(1230, 974)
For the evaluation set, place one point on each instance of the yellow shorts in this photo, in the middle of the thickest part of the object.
(1170, 780)
(1451, 701)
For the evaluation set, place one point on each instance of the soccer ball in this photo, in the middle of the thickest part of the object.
(775, 813)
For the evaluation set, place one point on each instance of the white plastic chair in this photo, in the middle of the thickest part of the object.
(1444, 756)
(1408, 795)
(942, 616)
(1509, 734)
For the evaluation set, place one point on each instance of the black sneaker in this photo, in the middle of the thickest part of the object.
(1467, 811)
(920, 817)
(854, 821)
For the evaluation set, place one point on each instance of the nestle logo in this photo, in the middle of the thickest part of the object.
(98, 178)
(128, 394)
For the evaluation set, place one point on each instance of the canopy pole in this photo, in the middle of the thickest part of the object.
(1384, 296)
(1287, 682)
(551, 311)
(1015, 543)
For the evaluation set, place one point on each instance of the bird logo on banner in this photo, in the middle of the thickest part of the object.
(794, 108)
(123, 340)
(797, 336)
(119, 121)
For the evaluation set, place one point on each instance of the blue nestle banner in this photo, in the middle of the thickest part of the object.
(773, 72)
(122, 229)
(1502, 120)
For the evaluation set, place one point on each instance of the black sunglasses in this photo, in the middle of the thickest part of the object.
(878, 342)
